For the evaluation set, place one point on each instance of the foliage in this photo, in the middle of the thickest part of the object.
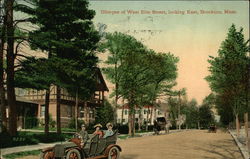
(104, 114)
(30, 138)
(206, 116)
(70, 40)
(22, 154)
(31, 122)
(71, 124)
(230, 74)
(192, 113)
(139, 73)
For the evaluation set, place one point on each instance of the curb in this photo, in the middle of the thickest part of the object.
(241, 146)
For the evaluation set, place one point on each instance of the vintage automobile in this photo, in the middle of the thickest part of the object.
(94, 148)
(212, 128)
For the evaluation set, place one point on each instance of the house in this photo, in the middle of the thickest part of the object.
(146, 113)
(86, 109)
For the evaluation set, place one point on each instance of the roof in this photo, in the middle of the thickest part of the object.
(126, 106)
(24, 100)
(102, 86)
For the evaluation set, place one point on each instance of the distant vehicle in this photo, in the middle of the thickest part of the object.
(212, 128)
(95, 148)
(159, 124)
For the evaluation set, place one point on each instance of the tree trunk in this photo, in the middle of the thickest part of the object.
(133, 124)
(116, 104)
(246, 128)
(147, 119)
(10, 69)
(76, 111)
(179, 110)
(151, 115)
(237, 125)
(129, 123)
(3, 117)
(140, 120)
(46, 113)
(58, 110)
(122, 113)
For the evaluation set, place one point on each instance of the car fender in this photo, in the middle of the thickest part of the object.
(47, 149)
(106, 152)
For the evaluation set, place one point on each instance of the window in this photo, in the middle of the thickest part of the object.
(136, 120)
(91, 114)
(81, 112)
(42, 111)
(145, 111)
(126, 112)
(123, 120)
(69, 108)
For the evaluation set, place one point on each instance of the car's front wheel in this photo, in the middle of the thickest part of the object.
(73, 154)
(114, 153)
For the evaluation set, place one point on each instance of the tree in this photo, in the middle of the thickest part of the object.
(36, 74)
(10, 69)
(205, 116)
(190, 109)
(229, 77)
(103, 113)
(138, 72)
(67, 33)
(3, 118)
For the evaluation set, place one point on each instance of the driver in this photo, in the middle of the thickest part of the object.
(83, 134)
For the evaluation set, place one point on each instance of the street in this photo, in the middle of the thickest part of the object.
(194, 144)
(191, 144)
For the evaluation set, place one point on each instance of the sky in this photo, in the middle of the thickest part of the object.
(172, 28)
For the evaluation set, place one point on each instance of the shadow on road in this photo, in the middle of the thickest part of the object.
(222, 149)
(128, 157)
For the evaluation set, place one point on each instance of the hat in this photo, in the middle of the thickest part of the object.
(109, 124)
(98, 125)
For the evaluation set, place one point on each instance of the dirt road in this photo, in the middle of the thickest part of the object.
(193, 144)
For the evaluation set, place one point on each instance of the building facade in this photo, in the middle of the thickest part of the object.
(147, 113)
(85, 110)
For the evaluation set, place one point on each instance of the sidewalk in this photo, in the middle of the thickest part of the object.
(241, 142)
(39, 146)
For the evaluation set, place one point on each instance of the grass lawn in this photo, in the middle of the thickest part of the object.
(21, 154)
(54, 129)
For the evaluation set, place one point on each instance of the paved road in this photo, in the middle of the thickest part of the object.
(194, 144)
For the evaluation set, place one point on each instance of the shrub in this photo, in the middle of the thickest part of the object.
(30, 122)
(122, 129)
(71, 124)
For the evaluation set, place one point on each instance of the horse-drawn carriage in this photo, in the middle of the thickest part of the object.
(94, 148)
(159, 124)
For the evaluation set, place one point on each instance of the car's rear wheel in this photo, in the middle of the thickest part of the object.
(114, 153)
(73, 154)
(47, 155)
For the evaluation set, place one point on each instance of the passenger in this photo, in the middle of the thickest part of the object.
(98, 130)
(109, 132)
